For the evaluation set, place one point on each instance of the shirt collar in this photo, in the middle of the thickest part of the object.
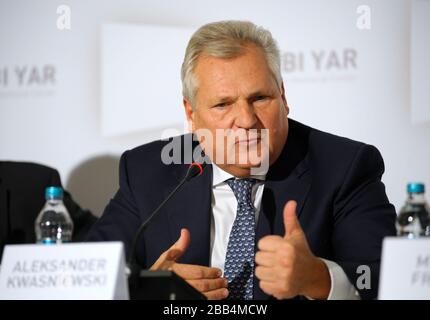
(220, 176)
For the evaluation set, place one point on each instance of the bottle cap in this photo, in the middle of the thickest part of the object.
(53, 193)
(416, 187)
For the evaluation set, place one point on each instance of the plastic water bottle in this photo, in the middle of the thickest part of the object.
(413, 220)
(53, 224)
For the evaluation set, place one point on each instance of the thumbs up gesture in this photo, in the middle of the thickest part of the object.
(286, 267)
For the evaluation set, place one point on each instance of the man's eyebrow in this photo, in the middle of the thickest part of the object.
(225, 99)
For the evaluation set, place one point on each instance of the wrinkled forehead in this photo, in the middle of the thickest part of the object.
(249, 69)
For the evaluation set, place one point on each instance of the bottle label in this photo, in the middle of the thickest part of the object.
(51, 241)
(47, 241)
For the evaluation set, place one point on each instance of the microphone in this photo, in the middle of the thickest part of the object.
(195, 169)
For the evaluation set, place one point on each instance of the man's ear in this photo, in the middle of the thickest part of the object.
(189, 113)
(284, 99)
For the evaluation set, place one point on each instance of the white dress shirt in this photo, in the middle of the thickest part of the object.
(224, 207)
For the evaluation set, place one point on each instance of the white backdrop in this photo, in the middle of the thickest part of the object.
(76, 99)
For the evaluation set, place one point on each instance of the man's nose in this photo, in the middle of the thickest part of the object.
(245, 116)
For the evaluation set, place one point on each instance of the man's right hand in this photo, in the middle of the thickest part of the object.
(205, 279)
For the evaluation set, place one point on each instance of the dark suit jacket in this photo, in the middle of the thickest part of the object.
(342, 205)
(22, 196)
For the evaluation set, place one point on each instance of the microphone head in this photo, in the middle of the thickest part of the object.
(195, 169)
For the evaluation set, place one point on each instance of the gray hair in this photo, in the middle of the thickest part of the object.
(226, 39)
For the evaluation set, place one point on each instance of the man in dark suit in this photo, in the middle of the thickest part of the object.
(301, 227)
(22, 190)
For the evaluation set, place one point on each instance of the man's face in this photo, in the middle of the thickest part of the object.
(237, 95)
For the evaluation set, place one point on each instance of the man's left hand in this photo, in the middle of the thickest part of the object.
(286, 267)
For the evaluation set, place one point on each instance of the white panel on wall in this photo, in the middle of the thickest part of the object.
(141, 86)
(420, 62)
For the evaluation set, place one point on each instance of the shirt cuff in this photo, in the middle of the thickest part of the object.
(341, 287)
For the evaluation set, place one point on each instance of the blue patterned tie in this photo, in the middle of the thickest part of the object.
(239, 261)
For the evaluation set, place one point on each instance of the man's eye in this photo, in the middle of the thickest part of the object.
(220, 105)
(259, 98)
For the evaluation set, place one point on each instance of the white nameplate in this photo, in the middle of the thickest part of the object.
(66, 271)
(405, 269)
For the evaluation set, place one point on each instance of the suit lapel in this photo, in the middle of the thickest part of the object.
(288, 178)
(276, 194)
(192, 210)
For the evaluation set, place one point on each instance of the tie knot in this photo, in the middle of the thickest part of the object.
(242, 189)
